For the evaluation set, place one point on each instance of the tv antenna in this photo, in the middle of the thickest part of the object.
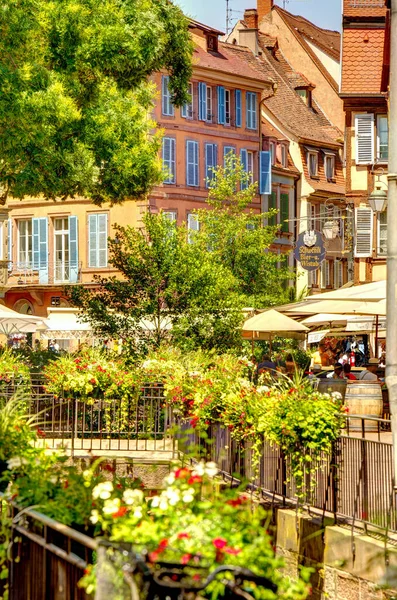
(229, 16)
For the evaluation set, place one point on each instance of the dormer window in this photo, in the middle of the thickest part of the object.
(306, 94)
(312, 163)
(212, 43)
(329, 166)
(284, 155)
(272, 148)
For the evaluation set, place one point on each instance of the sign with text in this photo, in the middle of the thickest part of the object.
(310, 250)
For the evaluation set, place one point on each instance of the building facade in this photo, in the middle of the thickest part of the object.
(364, 91)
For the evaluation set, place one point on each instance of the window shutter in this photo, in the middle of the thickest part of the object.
(272, 204)
(265, 173)
(192, 225)
(244, 164)
(364, 128)
(10, 242)
(102, 228)
(167, 106)
(73, 250)
(382, 233)
(221, 105)
(191, 162)
(325, 274)
(237, 96)
(210, 162)
(169, 159)
(284, 212)
(92, 240)
(364, 232)
(202, 88)
(40, 247)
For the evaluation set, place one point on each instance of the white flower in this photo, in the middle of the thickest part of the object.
(336, 395)
(53, 480)
(103, 490)
(15, 462)
(87, 474)
(94, 518)
(169, 480)
(211, 469)
(138, 512)
(262, 389)
(199, 469)
(111, 506)
(155, 501)
(131, 497)
(188, 496)
(172, 495)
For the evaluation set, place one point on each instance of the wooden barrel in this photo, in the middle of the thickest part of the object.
(364, 398)
(328, 385)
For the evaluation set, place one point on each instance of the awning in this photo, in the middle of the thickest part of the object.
(64, 324)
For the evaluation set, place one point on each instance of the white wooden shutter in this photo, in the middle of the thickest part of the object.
(325, 274)
(364, 232)
(365, 145)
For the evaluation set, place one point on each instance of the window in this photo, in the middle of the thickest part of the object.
(170, 215)
(250, 166)
(313, 278)
(247, 162)
(169, 159)
(284, 212)
(202, 89)
(329, 166)
(338, 273)
(312, 160)
(383, 138)
(61, 249)
(265, 173)
(272, 148)
(25, 243)
(382, 233)
(284, 155)
(212, 43)
(167, 106)
(209, 104)
(211, 161)
(272, 203)
(325, 274)
(192, 225)
(237, 96)
(192, 163)
(221, 105)
(251, 120)
(364, 130)
(187, 109)
(227, 150)
(227, 107)
(98, 240)
(303, 94)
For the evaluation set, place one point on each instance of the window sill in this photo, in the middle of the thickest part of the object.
(315, 177)
(331, 180)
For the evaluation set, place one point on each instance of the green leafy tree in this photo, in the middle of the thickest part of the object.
(238, 238)
(75, 95)
(168, 289)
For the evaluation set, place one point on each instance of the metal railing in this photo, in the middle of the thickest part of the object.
(49, 273)
(48, 560)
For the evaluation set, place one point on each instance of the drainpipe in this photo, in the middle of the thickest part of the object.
(391, 310)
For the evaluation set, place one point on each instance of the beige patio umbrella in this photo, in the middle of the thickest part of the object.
(368, 292)
(271, 323)
(15, 322)
(339, 307)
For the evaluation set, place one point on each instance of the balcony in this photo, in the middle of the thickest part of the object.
(52, 273)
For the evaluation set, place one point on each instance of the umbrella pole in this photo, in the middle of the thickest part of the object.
(376, 336)
(270, 344)
(252, 346)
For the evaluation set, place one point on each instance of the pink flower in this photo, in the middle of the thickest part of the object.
(185, 559)
(219, 543)
(233, 551)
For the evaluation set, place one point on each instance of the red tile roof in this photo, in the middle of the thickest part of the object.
(364, 8)
(362, 60)
(328, 41)
(229, 59)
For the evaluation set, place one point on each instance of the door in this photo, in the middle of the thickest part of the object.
(61, 250)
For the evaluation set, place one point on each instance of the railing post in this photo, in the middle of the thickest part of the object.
(335, 454)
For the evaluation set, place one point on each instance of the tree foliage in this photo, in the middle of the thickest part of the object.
(75, 97)
(239, 238)
(169, 289)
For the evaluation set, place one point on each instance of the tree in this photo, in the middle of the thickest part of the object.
(239, 239)
(168, 289)
(75, 95)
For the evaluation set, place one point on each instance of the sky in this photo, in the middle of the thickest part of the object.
(325, 13)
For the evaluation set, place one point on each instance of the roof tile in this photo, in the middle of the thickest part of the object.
(229, 59)
(363, 58)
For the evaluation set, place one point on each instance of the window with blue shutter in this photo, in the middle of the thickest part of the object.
(169, 159)
(73, 250)
(40, 247)
(167, 106)
(211, 161)
(244, 164)
(239, 119)
(251, 110)
(98, 240)
(187, 109)
(221, 105)
(202, 89)
(265, 172)
(192, 166)
(228, 150)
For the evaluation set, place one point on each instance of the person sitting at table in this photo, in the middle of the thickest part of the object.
(337, 373)
(369, 373)
(347, 372)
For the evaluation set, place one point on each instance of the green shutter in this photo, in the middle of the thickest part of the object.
(272, 204)
(284, 212)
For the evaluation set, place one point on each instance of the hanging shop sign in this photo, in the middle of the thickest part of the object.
(310, 250)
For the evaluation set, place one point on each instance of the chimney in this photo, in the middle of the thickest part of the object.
(251, 18)
(264, 8)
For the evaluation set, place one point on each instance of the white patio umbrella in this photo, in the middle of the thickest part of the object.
(14, 322)
(271, 323)
(339, 307)
(368, 292)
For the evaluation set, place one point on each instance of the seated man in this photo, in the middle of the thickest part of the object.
(370, 371)
(347, 372)
(337, 373)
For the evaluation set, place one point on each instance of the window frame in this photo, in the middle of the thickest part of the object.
(272, 150)
(378, 141)
(27, 263)
(228, 107)
(284, 155)
(171, 215)
(380, 227)
(329, 158)
(172, 161)
(313, 154)
(210, 98)
(251, 122)
(98, 264)
(250, 166)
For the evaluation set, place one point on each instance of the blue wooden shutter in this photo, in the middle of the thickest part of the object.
(210, 162)
(221, 105)
(244, 164)
(40, 247)
(73, 250)
(10, 244)
(238, 108)
(191, 162)
(169, 159)
(265, 172)
(202, 88)
(167, 106)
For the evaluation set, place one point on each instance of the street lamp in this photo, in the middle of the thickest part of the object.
(378, 200)
(331, 230)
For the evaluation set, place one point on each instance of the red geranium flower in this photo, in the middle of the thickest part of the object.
(153, 556)
(162, 545)
(194, 479)
(219, 543)
(40, 433)
(120, 513)
(182, 473)
(183, 535)
(196, 577)
(185, 559)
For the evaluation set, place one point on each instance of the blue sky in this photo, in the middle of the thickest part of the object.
(325, 13)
